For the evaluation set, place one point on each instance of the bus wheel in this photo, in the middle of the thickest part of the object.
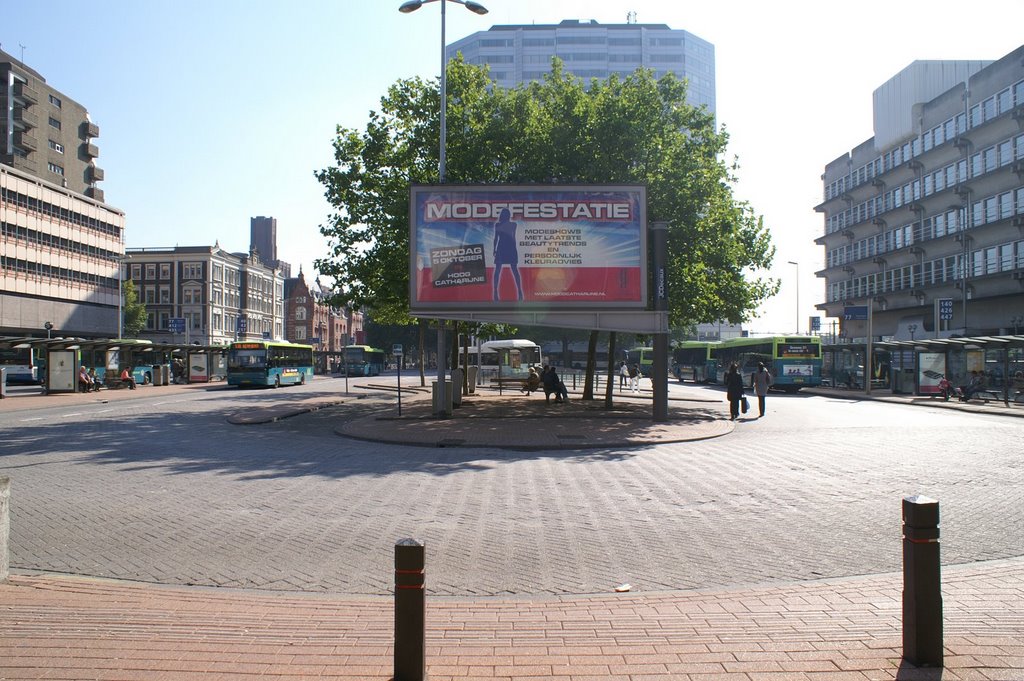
(147, 378)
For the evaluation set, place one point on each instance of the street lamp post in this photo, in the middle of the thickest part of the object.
(912, 328)
(476, 8)
(120, 296)
(49, 327)
(793, 262)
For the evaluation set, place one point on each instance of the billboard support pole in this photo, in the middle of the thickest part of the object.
(659, 368)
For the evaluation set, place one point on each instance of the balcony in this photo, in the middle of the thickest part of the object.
(26, 94)
(25, 119)
(90, 150)
(90, 129)
(26, 141)
(95, 174)
(94, 193)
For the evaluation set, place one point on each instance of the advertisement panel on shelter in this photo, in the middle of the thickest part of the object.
(487, 247)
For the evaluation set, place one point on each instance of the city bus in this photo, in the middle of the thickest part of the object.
(794, 361)
(362, 360)
(513, 357)
(692, 360)
(266, 363)
(23, 365)
(644, 357)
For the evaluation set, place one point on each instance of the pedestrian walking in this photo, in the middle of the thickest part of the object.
(734, 390)
(634, 377)
(623, 375)
(760, 381)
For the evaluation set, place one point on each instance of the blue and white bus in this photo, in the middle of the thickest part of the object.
(23, 365)
(362, 360)
(267, 363)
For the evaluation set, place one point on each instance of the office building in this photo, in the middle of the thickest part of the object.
(263, 240)
(59, 243)
(924, 222)
(521, 53)
(218, 296)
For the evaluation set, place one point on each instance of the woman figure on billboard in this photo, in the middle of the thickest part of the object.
(505, 252)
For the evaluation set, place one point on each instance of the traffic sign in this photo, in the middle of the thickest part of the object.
(396, 350)
(176, 325)
(853, 313)
(314, 340)
(946, 309)
(242, 325)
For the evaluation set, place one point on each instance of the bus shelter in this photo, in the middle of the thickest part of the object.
(59, 359)
(919, 365)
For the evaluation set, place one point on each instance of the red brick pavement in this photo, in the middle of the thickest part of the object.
(62, 627)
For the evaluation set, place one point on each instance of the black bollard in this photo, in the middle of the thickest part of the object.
(410, 611)
(922, 583)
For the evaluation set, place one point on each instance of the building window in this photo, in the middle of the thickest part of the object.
(165, 270)
(150, 294)
(300, 314)
(193, 270)
(164, 317)
(150, 271)
(192, 296)
(55, 101)
(300, 333)
(151, 321)
(54, 168)
(137, 272)
(57, 146)
(54, 123)
(165, 295)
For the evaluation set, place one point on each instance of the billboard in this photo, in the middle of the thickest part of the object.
(521, 247)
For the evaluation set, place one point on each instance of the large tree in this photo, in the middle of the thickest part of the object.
(630, 130)
(134, 311)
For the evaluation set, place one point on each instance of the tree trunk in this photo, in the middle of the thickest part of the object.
(588, 381)
(609, 390)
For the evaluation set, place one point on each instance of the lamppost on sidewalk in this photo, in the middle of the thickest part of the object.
(405, 8)
(793, 262)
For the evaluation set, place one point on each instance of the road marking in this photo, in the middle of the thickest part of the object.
(77, 413)
(38, 418)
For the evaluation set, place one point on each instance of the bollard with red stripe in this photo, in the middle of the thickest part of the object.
(922, 583)
(410, 611)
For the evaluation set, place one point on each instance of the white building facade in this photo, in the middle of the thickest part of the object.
(521, 53)
(932, 207)
(221, 296)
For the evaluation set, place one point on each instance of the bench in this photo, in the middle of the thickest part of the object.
(114, 383)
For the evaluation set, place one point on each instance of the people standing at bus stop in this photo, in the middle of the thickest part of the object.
(634, 377)
(623, 375)
(760, 381)
(734, 390)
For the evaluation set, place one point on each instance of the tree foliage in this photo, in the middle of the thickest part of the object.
(630, 130)
(134, 311)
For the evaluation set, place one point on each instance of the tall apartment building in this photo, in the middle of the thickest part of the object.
(932, 207)
(59, 243)
(221, 296)
(263, 239)
(521, 53)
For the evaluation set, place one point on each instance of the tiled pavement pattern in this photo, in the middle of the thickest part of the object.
(59, 627)
(80, 628)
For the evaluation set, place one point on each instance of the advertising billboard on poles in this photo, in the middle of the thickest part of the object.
(530, 246)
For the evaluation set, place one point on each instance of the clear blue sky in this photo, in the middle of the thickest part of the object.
(214, 111)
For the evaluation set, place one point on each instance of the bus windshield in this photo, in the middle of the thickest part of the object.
(247, 359)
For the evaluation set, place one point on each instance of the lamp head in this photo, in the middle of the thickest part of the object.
(410, 6)
(475, 7)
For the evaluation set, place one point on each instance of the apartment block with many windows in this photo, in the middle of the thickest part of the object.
(521, 53)
(59, 243)
(932, 207)
(221, 296)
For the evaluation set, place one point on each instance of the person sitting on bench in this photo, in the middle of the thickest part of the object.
(532, 382)
(126, 377)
